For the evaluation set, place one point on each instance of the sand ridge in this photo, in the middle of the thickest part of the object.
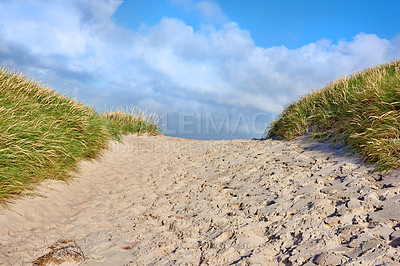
(161, 200)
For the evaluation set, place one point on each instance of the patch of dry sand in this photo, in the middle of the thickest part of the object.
(161, 200)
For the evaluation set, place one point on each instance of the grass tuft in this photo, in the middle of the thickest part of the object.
(361, 110)
(44, 134)
(124, 121)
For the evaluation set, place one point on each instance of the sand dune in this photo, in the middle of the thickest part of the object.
(161, 200)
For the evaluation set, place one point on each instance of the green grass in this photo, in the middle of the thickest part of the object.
(362, 111)
(44, 134)
(134, 120)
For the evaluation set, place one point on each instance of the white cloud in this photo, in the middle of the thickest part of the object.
(171, 67)
(211, 11)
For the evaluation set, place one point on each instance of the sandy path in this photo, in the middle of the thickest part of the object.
(161, 200)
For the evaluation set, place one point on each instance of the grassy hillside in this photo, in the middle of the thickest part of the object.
(361, 110)
(44, 134)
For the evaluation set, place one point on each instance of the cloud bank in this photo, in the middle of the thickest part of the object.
(185, 75)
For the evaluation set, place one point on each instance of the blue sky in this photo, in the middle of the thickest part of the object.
(213, 69)
(280, 22)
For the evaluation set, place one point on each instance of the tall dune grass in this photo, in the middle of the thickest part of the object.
(44, 134)
(124, 121)
(361, 110)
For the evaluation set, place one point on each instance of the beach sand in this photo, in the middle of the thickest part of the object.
(162, 201)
